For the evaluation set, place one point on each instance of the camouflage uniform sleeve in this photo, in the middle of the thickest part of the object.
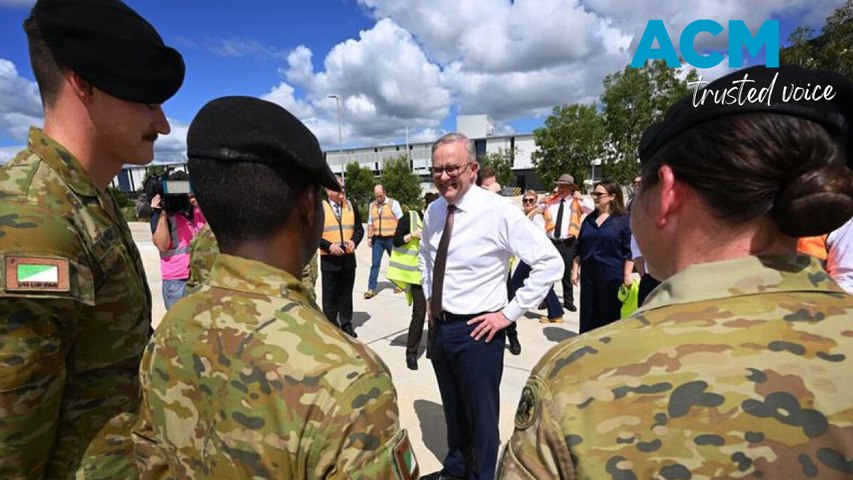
(367, 441)
(309, 278)
(149, 460)
(203, 253)
(538, 448)
(38, 323)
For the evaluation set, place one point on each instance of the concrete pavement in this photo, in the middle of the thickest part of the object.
(382, 323)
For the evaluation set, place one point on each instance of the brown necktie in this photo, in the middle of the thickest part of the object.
(440, 263)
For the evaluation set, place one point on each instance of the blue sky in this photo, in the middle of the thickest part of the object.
(395, 63)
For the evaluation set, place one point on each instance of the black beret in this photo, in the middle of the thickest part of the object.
(729, 95)
(248, 129)
(112, 47)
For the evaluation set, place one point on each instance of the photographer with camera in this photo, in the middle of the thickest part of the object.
(175, 220)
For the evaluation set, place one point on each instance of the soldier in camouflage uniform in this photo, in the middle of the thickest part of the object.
(75, 309)
(203, 252)
(738, 364)
(246, 378)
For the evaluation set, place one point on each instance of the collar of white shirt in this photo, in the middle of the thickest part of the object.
(468, 200)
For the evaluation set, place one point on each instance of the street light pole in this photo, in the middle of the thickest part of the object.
(340, 141)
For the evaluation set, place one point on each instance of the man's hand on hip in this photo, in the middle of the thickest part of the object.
(489, 325)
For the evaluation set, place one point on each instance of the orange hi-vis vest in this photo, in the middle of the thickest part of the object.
(575, 222)
(335, 230)
(813, 246)
(574, 205)
(384, 221)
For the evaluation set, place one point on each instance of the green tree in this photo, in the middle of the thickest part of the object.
(401, 183)
(501, 161)
(126, 207)
(359, 183)
(572, 137)
(632, 100)
(831, 50)
(155, 170)
(120, 196)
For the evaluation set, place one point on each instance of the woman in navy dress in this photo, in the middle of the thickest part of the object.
(602, 259)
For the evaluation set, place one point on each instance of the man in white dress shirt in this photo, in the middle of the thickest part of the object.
(839, 256)
(468, 237)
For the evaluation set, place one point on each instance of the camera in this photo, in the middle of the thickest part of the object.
(174, 190)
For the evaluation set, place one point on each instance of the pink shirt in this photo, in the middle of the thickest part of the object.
(175, 262)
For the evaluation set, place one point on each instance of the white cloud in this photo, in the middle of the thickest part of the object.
(300, 68)
(503, 129)
(499, 36)
(504, 58)
(8, 153)
(676, 15)
(283, 95)
(426, 135)
(242, 47)
(511, 95)
(20, 104)
(511, 59)
(20, 108)
(498, 57)
(383, 78)
(172, 147)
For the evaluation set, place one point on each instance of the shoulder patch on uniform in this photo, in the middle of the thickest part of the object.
(405, 463)
(37, 274)
(526, 412)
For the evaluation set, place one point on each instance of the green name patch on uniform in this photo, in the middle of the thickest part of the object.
(404, 460)
(37, 274)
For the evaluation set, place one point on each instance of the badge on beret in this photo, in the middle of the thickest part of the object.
(526, 412)
(405, 464)
(37, 274)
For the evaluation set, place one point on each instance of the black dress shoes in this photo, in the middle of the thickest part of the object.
(514, 346)
(412, 362)
(349, 331)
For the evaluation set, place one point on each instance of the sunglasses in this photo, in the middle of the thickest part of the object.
(528, 200)
(599, 194)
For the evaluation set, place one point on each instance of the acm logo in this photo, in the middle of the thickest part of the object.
(740, 38)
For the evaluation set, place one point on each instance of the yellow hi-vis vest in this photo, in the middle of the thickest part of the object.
(403, 268)
(338, 231)
(384, 221)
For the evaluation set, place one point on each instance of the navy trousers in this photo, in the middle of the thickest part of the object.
(469, 376)
(600, 303)
(522, 271)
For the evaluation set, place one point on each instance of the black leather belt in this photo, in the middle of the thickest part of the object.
(558, 241)
(447, 317)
